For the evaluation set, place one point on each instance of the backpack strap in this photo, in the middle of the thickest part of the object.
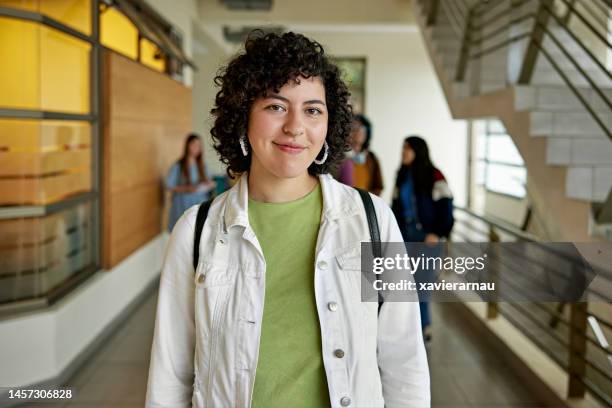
(200, 220)
(374, 231)
(372, 222)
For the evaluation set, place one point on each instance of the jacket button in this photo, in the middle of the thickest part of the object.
(201, 278)
(222, 241)
(339, 353)
(345, 401)
(332, 306)
(322, 265)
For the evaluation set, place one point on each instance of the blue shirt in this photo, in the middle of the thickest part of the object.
(406, 194)
(182, 201)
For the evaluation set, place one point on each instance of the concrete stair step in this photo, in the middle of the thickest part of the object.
(558, 98)
(579, 151)
(588, 183)
(564, 124)
(552, 77)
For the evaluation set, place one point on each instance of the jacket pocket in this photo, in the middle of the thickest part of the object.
(214, 286)
(209, 275)
(349, 272)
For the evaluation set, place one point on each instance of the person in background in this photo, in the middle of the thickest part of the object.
(187, 180)
(366, 169)
(423, 207)
(344, 173)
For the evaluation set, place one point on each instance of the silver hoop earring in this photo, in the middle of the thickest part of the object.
(243, 142)
(326, 147)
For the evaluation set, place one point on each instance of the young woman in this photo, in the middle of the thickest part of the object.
(187, 180)
(272, 316)
(423, 206)
(366, 168)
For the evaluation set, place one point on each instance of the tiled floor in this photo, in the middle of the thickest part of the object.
(465, 372)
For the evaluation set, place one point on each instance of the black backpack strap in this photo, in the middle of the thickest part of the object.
(372, 222)
(374, 231)
(200, 220)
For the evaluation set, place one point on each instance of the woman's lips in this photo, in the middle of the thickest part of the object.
(289, 148)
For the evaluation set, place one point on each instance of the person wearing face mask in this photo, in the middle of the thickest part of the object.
(270, 314)
(423, 206)
(366, 168)
(187, 180)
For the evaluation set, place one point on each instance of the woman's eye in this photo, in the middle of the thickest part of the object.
(276, 108)
(314, 111)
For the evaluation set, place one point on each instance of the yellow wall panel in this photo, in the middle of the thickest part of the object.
(31, 135)
(65, 185)
(18, 134)
(118, 33)
(28, 5)
(54, 133)
(73, 13)
(44, 190)
(64, 72)
(35, 164)
(19, 53)
(42, 68)
(147, 56)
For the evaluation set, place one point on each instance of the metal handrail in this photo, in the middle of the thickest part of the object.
(600, 6)
(608, 3)
(499, 45)
(451, 19)
(594, 15)
(469, 41)
(458, 9)
(577, 93)
(510, 229)
(588, 384)
(586, 23)
(502, 13)
(483, 11)
(583, 47)
(500, 30)
(578, 360)
(578, 66)
(511, 265)
(500, 224)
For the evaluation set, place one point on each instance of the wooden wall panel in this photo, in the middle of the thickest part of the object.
(146, 118)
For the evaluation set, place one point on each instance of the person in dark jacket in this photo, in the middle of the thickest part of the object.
(423, 207)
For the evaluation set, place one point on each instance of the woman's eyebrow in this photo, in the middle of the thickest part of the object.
(282, 98)
(314, 101)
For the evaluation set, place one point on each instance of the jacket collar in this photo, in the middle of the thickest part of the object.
(338, 201)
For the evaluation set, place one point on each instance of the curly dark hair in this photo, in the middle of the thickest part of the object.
(268, 63)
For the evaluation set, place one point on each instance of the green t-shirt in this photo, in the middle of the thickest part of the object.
(290, 370)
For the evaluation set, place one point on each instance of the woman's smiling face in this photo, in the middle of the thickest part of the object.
(286, 130)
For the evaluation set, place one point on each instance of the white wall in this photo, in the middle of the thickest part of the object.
(286, 12)
(208, 56)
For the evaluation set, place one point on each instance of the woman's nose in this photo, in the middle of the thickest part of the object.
(294, 125)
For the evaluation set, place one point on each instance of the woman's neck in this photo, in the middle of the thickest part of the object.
(266, 187)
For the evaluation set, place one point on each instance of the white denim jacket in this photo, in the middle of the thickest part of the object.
(208, 324)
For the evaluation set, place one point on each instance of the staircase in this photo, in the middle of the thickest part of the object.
(539, 66)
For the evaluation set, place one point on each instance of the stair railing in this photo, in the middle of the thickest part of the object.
(559, 330)
(469, 18)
